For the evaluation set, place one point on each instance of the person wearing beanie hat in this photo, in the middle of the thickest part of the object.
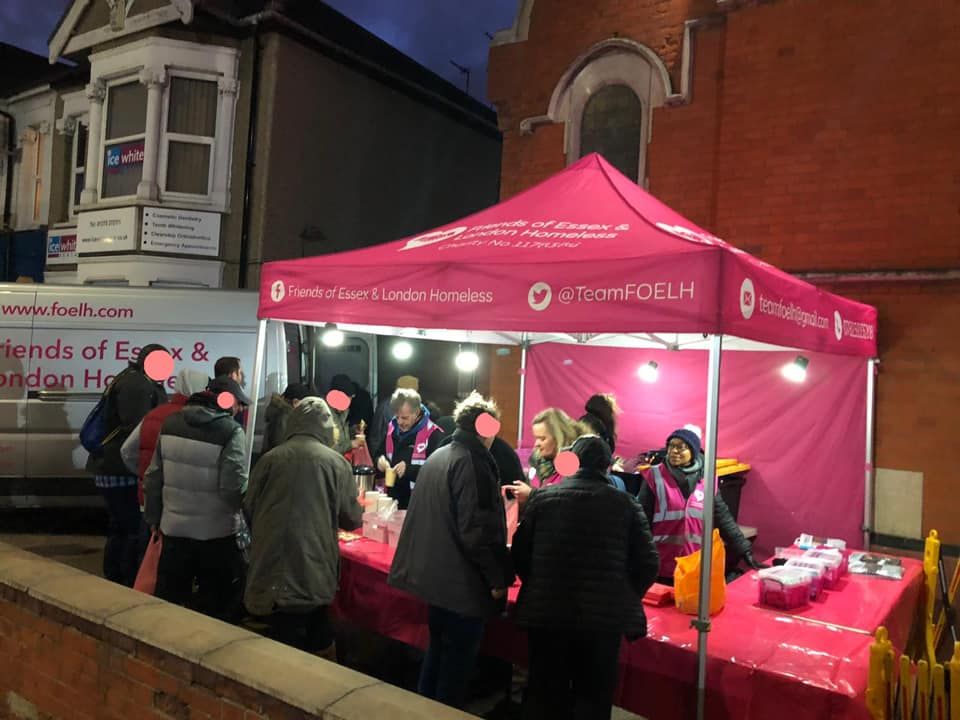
(586, 557)
(676, 486)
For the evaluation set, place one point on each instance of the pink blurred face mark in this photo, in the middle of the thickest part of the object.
(338, 400)
(226, 400)
(567, 463)
(487, 425)
(158, 365)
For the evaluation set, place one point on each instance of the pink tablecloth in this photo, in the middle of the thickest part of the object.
(811, 663)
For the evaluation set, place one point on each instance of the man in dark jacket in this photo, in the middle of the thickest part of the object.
(129, 398)
(411, 438)
(452, 552)
(683, 472)
(300, 493)
(194, 487)
(586, 558)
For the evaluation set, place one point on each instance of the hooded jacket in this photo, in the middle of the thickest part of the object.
(300, 493)
(453, 548)
(196, 480)
(131, 396)
(277, 415)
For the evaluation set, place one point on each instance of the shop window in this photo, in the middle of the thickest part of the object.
(612, 125)
(191, 125)
(124, 134)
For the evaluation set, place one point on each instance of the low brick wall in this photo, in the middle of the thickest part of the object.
(74, 646)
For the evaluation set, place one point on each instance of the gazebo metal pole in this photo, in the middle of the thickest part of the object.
(258, 363)
(868, 461)
(702, 623)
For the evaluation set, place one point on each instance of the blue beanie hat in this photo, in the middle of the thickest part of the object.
(689, 437)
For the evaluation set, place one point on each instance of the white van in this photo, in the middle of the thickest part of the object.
(61, 345)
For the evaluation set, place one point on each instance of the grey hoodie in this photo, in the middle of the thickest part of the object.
(300, 493)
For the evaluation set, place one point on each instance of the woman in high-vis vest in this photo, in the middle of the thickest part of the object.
(672, 498)
(411, 438)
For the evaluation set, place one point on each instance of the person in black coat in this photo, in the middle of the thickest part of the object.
(452, 553)
(685, 463)
(586, 557)
(129, 398)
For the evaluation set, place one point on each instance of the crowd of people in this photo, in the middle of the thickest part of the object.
(172, 470)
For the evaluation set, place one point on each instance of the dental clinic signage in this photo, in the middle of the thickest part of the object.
(106, 231)
(182, 232)
(120, 157)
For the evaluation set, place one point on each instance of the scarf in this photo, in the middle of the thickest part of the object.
(483, 463)
(543, 467)
(400, 435)
(688, 476)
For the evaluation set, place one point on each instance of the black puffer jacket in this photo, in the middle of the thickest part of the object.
(733, 539)
(586, 558)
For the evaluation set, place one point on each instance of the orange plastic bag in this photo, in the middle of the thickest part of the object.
(686, 580)
(146, 581)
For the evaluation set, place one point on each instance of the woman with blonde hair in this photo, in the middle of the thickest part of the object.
(552, 430)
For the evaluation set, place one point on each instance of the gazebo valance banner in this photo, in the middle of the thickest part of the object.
(585, 251)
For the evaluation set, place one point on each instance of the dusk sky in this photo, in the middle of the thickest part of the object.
(433, 32)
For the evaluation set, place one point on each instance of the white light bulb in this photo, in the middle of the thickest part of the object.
(648, 372)
(332, 337)
(467, 361)
(402, 350)
(793, 372)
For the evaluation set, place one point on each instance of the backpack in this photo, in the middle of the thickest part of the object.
(93, 434)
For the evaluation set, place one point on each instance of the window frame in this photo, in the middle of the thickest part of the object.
(74, 203)
(107, 142)
(610, 83)
(166, 137)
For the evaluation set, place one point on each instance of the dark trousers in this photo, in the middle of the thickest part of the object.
(573, 674)
(451, 655)
(215, 565)
(121, 554)
(310, 631)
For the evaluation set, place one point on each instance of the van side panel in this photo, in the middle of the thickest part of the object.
(16, 321)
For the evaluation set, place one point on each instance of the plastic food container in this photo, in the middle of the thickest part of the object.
(374, 528)
(836, 562)
(813, 565)
(394, 527)
(783, 588)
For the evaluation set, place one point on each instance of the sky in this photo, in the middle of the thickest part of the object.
(432, 32)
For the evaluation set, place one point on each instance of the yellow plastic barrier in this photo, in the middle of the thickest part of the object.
(923, 690)
(954, 667)
(931, 558)
(939, 694)
(906, 687)
(879, 680)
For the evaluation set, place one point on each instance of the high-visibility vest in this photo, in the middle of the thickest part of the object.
(419, 444)
(677, 521)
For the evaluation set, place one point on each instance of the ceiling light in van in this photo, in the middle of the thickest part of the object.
(331, 336)
(402, 350)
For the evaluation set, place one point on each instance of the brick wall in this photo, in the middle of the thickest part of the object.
(76, 647)
(820, 136)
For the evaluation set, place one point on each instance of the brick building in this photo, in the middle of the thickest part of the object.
(820, 135)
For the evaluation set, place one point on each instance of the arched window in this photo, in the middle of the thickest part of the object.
(612, 125)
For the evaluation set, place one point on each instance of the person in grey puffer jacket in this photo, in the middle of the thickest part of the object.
(300, 493)
(194, 487)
